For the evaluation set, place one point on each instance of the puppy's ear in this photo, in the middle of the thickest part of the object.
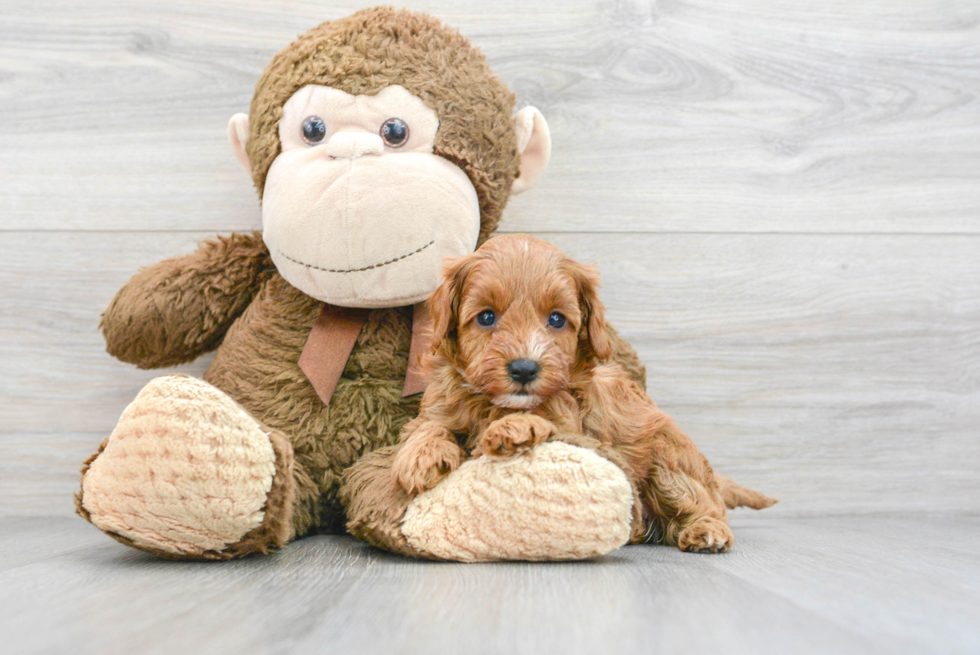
(444, 301)
(593, 331)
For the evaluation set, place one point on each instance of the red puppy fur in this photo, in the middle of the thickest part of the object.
(520, 352)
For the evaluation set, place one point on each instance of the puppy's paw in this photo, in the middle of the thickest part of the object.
(515, 433)
(422, 462)
(706, 535)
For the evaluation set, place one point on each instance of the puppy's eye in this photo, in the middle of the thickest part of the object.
(486, 318)
(314, 129)
(394, 132)
(557, 320)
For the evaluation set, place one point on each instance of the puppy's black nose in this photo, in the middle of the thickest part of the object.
(523, 370)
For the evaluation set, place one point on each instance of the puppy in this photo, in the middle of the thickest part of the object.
(520, 355)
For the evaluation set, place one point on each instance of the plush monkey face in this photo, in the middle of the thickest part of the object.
(357, 211)
(393, 150)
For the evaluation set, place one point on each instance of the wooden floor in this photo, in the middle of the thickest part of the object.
(821, 585)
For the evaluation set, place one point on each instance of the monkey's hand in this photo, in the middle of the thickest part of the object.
(429, 454)
(515, 433)
(176, 310)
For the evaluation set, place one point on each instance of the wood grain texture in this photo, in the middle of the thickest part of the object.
(701, 115)
(839, 373)
(844, 585)
(784, 197)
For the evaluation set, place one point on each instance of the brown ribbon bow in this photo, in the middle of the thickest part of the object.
(332, 340)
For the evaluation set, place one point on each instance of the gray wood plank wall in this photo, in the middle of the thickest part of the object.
(783, 197)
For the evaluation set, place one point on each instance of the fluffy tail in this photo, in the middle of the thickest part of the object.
(735, 495)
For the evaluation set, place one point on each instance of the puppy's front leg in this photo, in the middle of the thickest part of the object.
(429, 452)
(514, 433)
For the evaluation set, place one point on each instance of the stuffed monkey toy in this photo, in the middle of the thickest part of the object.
(379, 145)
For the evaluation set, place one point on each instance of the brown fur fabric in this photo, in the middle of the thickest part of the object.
(375, 504)
(374, 48)
(520, 356)
(174, 311)
(157, 318)
(258, 366)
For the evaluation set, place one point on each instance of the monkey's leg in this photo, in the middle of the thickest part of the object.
(639, 530)
(557, 501)
(376, 503)
(188, 474)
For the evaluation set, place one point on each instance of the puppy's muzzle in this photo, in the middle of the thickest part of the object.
(523, 371)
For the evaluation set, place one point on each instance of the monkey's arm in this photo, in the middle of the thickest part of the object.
(626, 357)
(176, 310)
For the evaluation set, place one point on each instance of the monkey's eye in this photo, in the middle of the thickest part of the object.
(557, 320)
(486, 318)
(394, 132)
(314, 129)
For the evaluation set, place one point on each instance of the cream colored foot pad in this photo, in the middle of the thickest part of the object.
(557, 502)
(186, 470)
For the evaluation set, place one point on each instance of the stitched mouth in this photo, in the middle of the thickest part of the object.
(357, 270)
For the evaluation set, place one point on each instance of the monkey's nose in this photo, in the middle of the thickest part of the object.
(348, 145)
(523, 370)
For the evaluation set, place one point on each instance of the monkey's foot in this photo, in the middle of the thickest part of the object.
(557, 502)
(188, 473)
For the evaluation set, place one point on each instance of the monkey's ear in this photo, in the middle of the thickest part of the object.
(534, 146)
(238, 136)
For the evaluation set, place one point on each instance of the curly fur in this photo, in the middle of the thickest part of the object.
(475, 406)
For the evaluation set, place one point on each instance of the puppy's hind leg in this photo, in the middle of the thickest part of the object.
(691, 514)
(682, 494)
